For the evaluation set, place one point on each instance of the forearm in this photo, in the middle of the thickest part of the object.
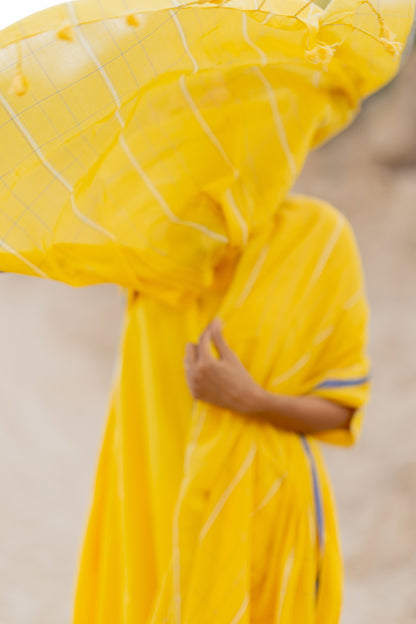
(226, 383)
(302, 414)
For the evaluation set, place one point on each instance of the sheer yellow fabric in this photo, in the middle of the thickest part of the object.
(154, 145)
(139, 154)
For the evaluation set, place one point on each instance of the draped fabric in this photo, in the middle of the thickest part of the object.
(145, 141)
(203, 515)
(154, 145)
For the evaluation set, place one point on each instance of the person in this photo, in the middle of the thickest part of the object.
(238, 518)
(155, 146)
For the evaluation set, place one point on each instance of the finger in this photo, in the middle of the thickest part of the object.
(224, 349)
(191, 354)
(204, 350)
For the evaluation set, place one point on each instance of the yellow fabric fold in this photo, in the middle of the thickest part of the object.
(142, 154)
(228, 501)
(154, 144)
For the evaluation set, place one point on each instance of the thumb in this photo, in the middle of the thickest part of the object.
(218, 339)
(191, 354)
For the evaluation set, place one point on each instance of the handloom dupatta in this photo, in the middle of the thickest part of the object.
(154, 146)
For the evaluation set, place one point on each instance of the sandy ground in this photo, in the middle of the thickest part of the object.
(58, 347)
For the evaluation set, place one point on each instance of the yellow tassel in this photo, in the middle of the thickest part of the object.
(20, 84)
(393, 47)
(66, 32)
(322, 53)
(385, 32)
(387, 38)
(132, 20)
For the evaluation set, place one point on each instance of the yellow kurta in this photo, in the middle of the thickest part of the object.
(213, 513)
(154, 145)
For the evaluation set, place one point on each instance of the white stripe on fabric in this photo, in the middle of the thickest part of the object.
(323, 335)
(34, 145)
(316, 79)
(271, 492)
(285, 581)
(241, 610)
(324, 257)
(205, 127)
(239, 216)
(267, 19)
(161, 200)
(84, 41)
(23, 259)
(250, 42)
(353, 300)
(156, 194)
(345, 373)
(176, 565)
(228, 491)
(252, 278)
(278, 121)
(184, 40)
(88, 221)
(292, 371)
(52, 169)
(197, 431)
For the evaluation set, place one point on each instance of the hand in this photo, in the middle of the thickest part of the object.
(222, 381)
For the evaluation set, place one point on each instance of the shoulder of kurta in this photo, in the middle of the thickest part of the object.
(338, 236)
(327, 214)
(316, 207)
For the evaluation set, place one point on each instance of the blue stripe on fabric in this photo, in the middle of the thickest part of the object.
(340, 383)
(316, 491)
(319, 508)
(318, 578)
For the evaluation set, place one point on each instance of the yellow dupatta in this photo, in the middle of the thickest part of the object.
(143, 142)
(155, 147)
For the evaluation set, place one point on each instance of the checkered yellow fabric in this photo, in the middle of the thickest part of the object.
(143, 139)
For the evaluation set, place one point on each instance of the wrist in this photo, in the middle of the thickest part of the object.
(254, 400)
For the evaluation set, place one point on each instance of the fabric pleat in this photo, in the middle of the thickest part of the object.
(154, 145)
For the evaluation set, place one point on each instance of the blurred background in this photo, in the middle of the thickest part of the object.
(58, 349)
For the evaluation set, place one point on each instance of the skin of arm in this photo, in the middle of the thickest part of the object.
(226, 383)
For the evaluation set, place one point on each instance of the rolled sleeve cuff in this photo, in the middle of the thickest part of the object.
(354, 393)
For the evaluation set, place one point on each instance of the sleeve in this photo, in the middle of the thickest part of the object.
(343, 373)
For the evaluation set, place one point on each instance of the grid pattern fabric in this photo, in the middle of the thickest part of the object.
(144, 140)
